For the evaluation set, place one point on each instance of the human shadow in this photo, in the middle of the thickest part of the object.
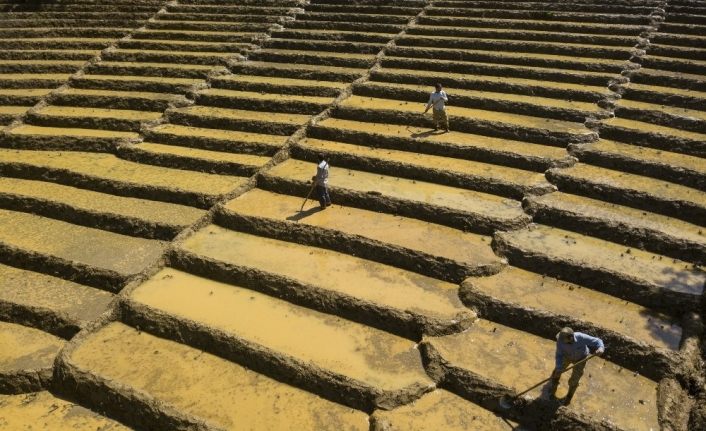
(427, 134)
(303, 214)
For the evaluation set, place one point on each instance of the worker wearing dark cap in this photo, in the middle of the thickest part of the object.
(572, 347)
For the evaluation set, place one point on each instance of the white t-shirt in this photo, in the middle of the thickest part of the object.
(437, 100)
(322, 173)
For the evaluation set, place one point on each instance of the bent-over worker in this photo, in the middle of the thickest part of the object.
(437, 100)
(572, 347)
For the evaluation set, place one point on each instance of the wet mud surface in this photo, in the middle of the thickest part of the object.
(165, 263)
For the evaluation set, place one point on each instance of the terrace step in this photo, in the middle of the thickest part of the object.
(98, 258)
(8, 113)
(475, 32)
(186, 45)
(635, 275)
(154, 84)
(299, 71)
(48, 138)
(48, 54)
(425, 248)
(91, 118)
(32, 80)
(678, 168)
(489, 178)
(382, 296)
(266, 84)
(332, 35)
(236, 27)
(216, 139)
(635, 336)
(590, 78)
(167, 56)
(635, 191)
(323, 45)
(129, 216)
(295, 104)
(110, 99)
(500, 43)
(293, 344)
(440, 410)
(512, 57)
(206, 36)
(486, 355)
(27, 358)
(683, 52)
(237, 119)
(25, 411)
(109, 174)
(512, 126)
(166, 70)
(674, 64)
(633, 227)
(681, 79)
(678, 118)
(244, 398)
(195, 159)
(575, 24)
(81, 43)
(39, 66)
(517, 154)
(459, 208)
(56, 306)
(351, 25)
(22, 96)
(535, 105)
(683, 98)
(323, 58)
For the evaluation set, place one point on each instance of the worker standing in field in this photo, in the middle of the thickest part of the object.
(437, 101)
(321, 182)
(572, 347)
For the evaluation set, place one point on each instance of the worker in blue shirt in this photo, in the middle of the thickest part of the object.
(571, 347)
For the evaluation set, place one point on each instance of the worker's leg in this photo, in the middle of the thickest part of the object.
(320, 193)
(327, 198)
(444, 119)
(437, 118)
(554, 382)
(576, 374)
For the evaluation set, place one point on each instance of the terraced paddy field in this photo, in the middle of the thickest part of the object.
(160, 268)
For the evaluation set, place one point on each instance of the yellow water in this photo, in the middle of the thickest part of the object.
(360, 352)
(206, 386)
(26, 349)
(341, 273)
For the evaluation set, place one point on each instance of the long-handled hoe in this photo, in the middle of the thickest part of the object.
(313, 184)
(508, 401)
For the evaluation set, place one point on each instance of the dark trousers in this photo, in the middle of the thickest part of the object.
(324, 198)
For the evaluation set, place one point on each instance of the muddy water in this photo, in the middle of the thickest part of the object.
(417, 191)
(32, 289)
(410, 233)
(203, 385)
(368, 355)
(101, 202)
(669, 274)
(109, 167)
(476, 114)
(431, 163)
(60, 131)
(653, 128)
(43, 411)
(650, 154)
(519, 360)
(381, 284)
(452, 138)
(528, 289)
(88, 246)
(662, 189)
(442, 410)
(26, 349)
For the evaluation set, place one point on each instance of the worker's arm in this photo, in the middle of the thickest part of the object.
(595, 344)
(429, 103)
(559, 362)
(444, 96)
